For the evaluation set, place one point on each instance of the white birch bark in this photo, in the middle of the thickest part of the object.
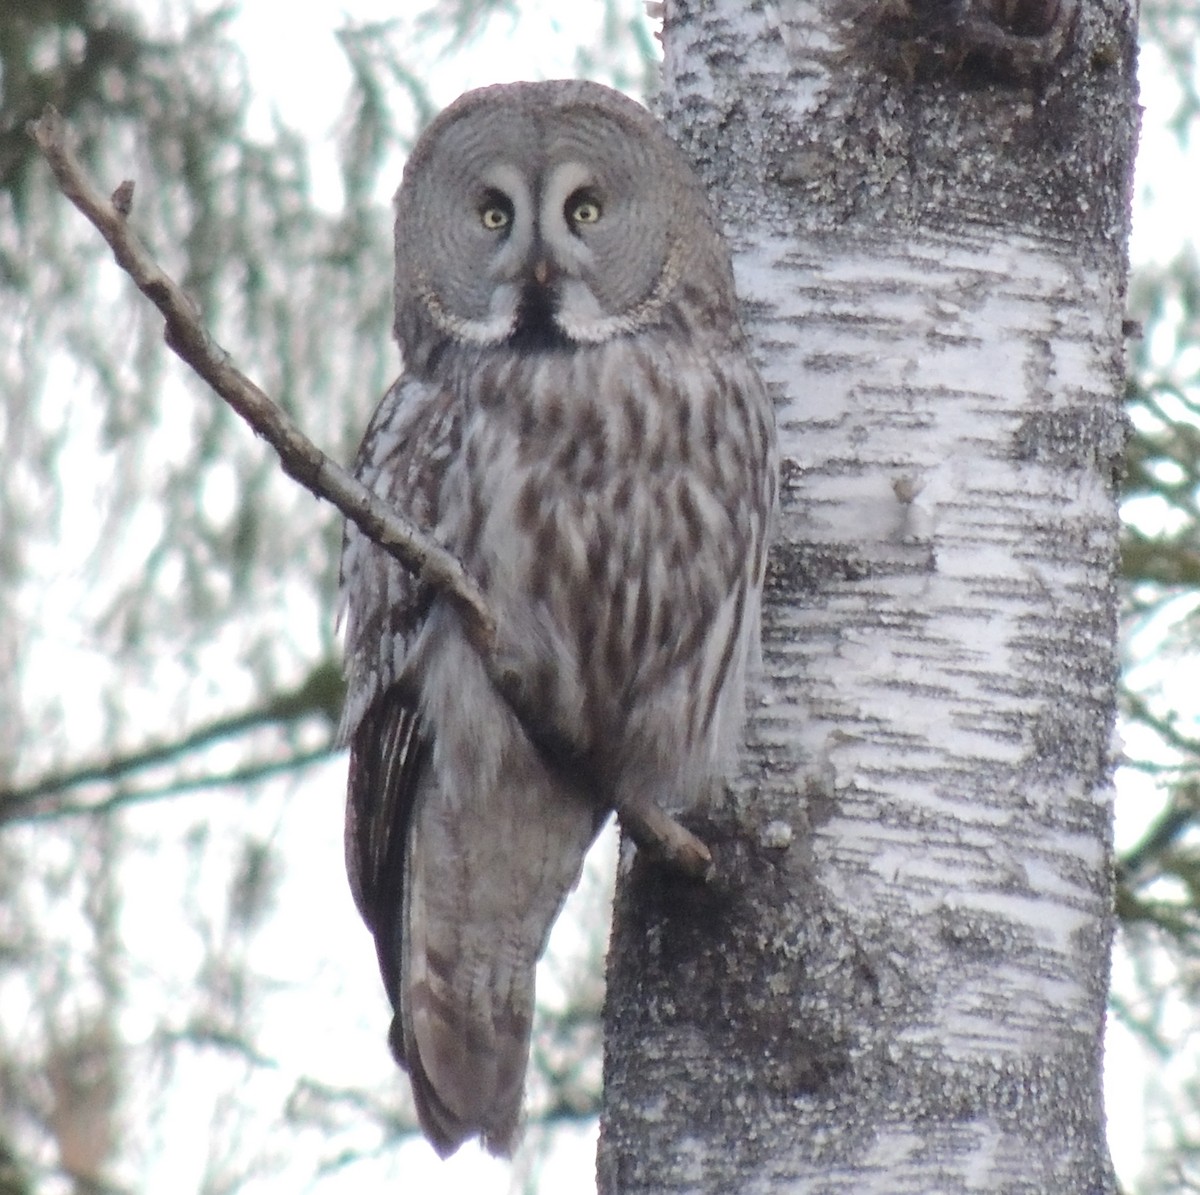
(898, 982)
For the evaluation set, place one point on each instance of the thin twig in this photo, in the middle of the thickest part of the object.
(1166, 729)
(301, 459)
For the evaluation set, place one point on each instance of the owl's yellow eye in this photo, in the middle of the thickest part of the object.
(493, 218)
(583, 208)
(496, 212)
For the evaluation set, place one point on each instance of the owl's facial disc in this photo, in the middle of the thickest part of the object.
(562, 246)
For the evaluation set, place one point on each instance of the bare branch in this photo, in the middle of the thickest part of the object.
(319, 694)
(57, 806)
(663, 837)
(1162, 834)
(302, 460)
(300, 457)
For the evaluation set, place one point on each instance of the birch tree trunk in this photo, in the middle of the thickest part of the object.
(897, 981)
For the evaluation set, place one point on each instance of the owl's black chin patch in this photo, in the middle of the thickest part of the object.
(535, 329)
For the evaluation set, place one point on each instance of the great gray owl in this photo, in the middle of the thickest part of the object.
(578, 420)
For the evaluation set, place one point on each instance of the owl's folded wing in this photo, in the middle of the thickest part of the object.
(403, 457)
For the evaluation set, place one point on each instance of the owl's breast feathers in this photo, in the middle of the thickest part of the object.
(613, 502)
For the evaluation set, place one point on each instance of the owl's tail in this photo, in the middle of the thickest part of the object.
(466, 1065)
(485, 879)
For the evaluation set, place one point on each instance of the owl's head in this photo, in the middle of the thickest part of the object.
(546, 215)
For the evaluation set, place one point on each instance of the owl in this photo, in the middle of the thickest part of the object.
(579, 421)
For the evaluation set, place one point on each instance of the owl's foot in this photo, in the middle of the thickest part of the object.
(665, 839)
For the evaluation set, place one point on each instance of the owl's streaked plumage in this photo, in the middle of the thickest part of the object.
(579, 421)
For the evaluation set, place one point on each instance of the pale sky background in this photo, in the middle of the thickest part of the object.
(305, 80)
